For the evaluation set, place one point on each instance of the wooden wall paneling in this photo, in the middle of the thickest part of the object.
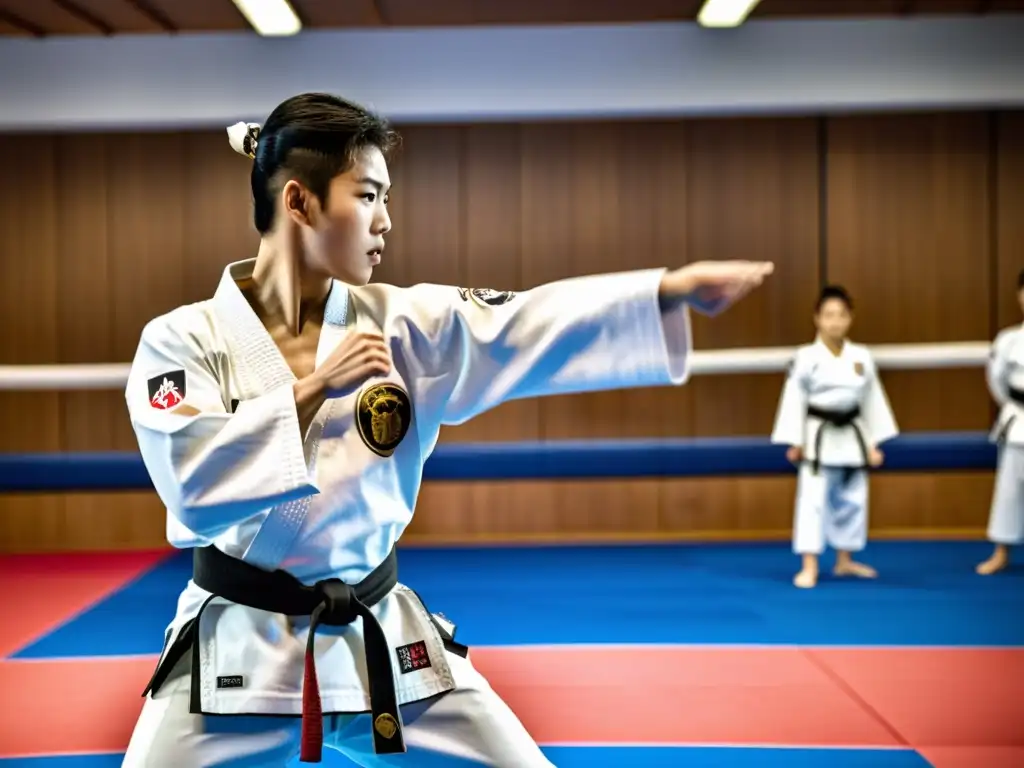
(28, 278)
(752, 194)
(492, 199)
(908, 234)
(1009, 216)
(123, 227)
(85, 333)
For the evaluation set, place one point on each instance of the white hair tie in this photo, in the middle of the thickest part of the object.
(243, 138)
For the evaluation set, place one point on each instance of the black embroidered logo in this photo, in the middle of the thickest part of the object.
(231, 681)
(383, 415)
(413, 657)
(486, 297)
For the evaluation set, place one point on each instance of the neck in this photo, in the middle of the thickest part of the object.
(282, 288)
(835, 345)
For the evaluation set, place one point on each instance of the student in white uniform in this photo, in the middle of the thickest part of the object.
(1005, 374)
(285, 423)
(833, 415)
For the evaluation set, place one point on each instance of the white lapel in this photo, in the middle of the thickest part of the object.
(259, 362)
(262, 367)
(335, 321)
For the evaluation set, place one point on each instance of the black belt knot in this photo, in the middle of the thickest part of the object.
(840, 419)
(336, 603)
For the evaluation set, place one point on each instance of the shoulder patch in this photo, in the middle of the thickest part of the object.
(167, 390)
(383, 416)
(486, 297)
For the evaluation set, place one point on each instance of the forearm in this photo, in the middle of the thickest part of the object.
(310, 395)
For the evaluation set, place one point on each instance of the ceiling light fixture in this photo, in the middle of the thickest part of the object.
(725, 13)
(270, 18)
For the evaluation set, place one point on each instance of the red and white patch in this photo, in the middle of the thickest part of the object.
(167, 390)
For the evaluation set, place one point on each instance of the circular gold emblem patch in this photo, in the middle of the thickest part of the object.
(383, 415)
(386, 725)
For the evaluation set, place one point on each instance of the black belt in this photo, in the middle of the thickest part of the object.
(1017, 396)
(839, 419)
(331, 602)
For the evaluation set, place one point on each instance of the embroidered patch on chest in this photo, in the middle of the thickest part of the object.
(166, 390)
(383, 415)
(412, 657)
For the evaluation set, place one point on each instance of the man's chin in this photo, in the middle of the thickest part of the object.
(356, 277)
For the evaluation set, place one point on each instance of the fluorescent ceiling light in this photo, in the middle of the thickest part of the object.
(725, 13)
(270, 17)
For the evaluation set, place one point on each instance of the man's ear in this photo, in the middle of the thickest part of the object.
(299, 204)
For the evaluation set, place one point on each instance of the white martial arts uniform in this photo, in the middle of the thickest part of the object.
(1005, 374)
(240, 477)
(832, 486)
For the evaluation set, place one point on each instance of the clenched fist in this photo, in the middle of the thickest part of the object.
(358, 357)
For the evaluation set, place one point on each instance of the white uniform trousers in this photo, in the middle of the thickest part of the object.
(1006, 517)
(469, 726)
(831, 508)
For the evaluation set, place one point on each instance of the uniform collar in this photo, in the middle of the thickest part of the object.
(820, 343)
(234, 310)
(252, 340)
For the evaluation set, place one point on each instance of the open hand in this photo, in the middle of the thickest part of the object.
(711, 287)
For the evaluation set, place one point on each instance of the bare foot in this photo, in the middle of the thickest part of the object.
(852, 568)
(999, 560)
(807, 578)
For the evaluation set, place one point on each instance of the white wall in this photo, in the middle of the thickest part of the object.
(521, 73)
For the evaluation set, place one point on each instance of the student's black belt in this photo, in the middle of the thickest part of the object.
(1017, 396)
(331, 602)
(839, 419)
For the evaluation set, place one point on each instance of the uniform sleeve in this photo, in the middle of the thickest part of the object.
(791, 413)
(576, 335)
(211, 468)
(875, 409)
(997, 369)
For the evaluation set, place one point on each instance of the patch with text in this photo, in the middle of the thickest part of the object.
(167, 390)
(413, 657)
(230, 681)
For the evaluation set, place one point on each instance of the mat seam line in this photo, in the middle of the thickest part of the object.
(850, 691)
(89, 606)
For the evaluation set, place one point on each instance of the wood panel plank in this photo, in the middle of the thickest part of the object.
(28, 279)
(1009, 216)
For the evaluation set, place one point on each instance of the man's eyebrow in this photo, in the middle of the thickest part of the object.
(379, 185)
